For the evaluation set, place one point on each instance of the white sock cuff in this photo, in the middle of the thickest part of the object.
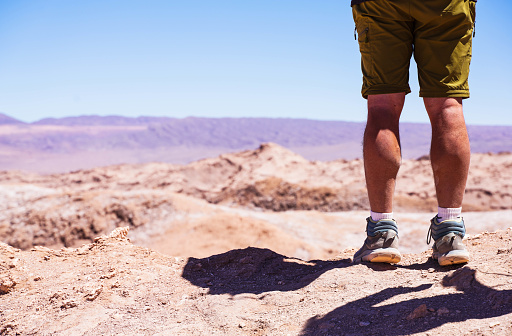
(448, 213)
(377, 216)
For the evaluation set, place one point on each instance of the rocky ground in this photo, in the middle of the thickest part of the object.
(250, 243)
(112, 287)
(71, 209)
(274, 178)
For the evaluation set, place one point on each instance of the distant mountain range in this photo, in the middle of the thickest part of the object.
(58, 145)
(94, 120)
(6, 120)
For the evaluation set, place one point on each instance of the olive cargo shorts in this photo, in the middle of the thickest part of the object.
(439, 32)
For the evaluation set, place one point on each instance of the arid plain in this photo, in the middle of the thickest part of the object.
(253, 242)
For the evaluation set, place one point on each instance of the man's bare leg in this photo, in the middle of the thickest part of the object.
(449, 152)
(382, 157)
(381, 149)
(450, 156)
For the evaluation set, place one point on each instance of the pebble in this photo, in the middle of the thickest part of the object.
(13, 262)
(420, 311)
(443, 311)
(109, 275)
(364, 323)
(6, 284)
(66, 304)
(93, 294)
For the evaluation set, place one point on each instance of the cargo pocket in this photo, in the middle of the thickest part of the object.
(363, 28)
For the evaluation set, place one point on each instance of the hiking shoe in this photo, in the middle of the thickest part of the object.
(448, 248)
(381, 244)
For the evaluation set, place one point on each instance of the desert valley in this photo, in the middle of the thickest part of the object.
(254, 241)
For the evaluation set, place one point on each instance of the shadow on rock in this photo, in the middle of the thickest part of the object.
(370, 316)
(255, 270)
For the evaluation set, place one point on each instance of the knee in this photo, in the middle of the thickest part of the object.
(445, 114)
(382, 118)
(384, 110)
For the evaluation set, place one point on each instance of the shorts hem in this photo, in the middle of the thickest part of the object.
(445, 94)
(384, 89)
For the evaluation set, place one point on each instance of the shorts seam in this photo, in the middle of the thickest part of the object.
(385, 89)
(447, 94)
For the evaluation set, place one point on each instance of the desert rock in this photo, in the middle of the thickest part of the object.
(114, 287)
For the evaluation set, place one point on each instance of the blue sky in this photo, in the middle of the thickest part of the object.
(224, 58)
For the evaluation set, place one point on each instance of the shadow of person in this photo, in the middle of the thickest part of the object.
(255, 270)
(370, 316)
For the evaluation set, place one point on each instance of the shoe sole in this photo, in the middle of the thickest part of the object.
(452, 257)
(383, 255)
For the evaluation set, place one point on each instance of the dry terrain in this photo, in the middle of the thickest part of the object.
(251, 243)
(112, 287)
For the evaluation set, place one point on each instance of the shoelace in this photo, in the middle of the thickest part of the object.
(429, 235)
